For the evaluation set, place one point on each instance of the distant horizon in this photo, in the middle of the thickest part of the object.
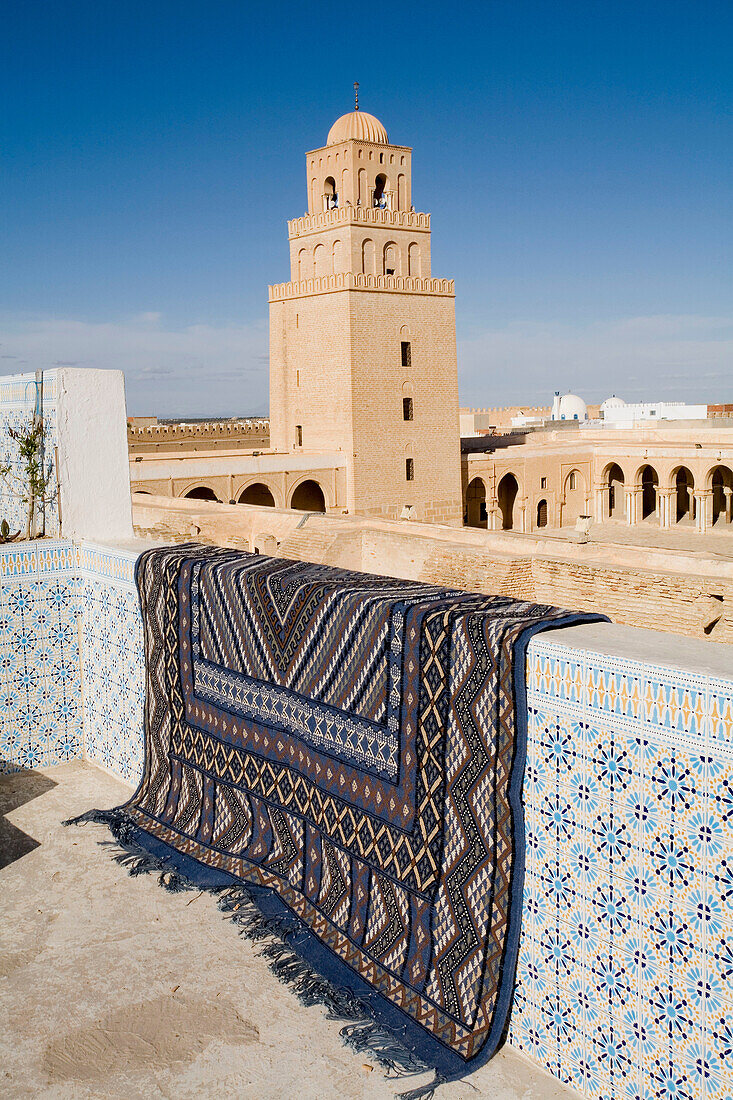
(577, 163)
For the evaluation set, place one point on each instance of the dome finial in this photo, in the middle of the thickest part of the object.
(356, 95)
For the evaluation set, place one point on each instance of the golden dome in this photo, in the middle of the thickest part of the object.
(359, 125)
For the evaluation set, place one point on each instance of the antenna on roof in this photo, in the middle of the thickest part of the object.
(356, 95)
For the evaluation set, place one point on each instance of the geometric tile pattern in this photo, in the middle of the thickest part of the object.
(625, 976)
(71, 657)
(40, 690)
(113, 661)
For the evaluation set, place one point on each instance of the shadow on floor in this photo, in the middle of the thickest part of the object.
(15, 790)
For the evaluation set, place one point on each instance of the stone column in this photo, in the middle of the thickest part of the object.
(664, 496)
(601, 504)
(704, 505)
(728, 494)
(631, 506)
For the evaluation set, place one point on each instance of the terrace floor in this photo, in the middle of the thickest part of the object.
(111, 987)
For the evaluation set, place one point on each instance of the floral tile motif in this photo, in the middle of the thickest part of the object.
(630, 807)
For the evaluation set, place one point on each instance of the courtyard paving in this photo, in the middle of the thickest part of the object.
(111, 987)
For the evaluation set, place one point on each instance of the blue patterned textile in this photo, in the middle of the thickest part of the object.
(354, 744)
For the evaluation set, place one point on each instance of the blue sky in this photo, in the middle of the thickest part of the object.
(576, 158)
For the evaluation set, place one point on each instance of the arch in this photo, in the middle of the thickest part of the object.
(257, 493)
(302, 265)
(648, 478)
(506, 493)
(336, 257)
(330, 194)
(683, 484)
(476, 514)
(402, 191)
(308, 496)
(201, 492)
(719, 479)
(379, 196)
(613, 480)
(314, 195)
(345, 180)
(367, 257)
(573, 498)
(319, 261)
(413, 260)
(391, 259)
(361, 194)
(542, 513)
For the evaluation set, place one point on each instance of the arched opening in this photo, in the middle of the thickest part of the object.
(302, 265)
(507, 494)
(202, 492)
(367, 257)
(391, 259)
(319, 261)
(542, 513)
(361, 198)
(336, 263)
(308, 497)
(649, 484)
(684, 484)
(476, 514)
(401, 191)
(721, 479)
(258, 494)
(330, 195)
(379, 197)
(615, 479)
(413, 261)
(574, 503)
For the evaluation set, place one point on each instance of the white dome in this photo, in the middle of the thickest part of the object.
(573, 407)
(613, 402)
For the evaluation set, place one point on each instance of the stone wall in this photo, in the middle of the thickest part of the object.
(666, 590)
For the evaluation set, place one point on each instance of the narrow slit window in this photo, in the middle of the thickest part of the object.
(406, 351)
(409, 469)
(299, 435)
(407, 408)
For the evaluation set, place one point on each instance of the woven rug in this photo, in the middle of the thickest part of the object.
(352, 747)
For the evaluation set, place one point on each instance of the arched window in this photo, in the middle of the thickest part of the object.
(336, 261)
(330, 195)
(302, 265)
(413, 260)
(367, 257)
(401, 192)
(391, 259)
(542, 514)
(308, 497)
(379, 195)
(476, 514)
(507, 493)
(361, 197)
(319, 261)
(573, 480)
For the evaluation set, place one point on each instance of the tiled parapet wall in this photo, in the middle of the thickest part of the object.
(20, 395)
(625, 980)
(112, 660)
(41, 720)
(71, 657)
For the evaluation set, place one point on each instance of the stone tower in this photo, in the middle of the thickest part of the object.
(362, 339)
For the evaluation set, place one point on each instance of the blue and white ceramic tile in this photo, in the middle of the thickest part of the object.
(629, 905)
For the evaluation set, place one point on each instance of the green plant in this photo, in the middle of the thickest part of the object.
(34, 476)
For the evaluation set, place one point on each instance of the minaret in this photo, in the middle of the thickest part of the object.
(362, 339)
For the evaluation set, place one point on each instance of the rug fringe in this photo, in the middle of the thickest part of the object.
(361, 1032)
